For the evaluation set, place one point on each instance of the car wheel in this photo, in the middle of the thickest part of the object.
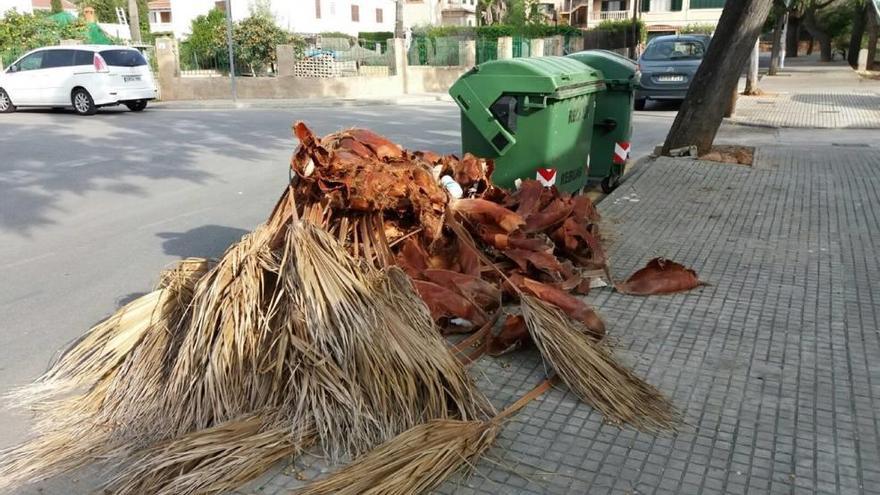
(137, 105)
(83, 103)
(640, 103)
(6, 105)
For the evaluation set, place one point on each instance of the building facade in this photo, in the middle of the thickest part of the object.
(439, 12)
(658, 15)
(299, 16)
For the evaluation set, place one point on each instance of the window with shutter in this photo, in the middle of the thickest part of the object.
(317, 9)
(355, 13)
(379, 16)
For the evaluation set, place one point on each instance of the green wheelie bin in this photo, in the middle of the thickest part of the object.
(532, 116)
(613, 126)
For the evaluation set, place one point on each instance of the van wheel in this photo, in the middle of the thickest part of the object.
(6, 105)
(640, 103)
(83, 103)
(137, 105)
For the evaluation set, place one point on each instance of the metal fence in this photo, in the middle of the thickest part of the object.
(322, 57)
(522, 47)
(487, 49)
(438, 52)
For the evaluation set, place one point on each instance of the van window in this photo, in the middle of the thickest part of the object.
(83, 58)
(123, 58)
(57, 58)
(33, 61)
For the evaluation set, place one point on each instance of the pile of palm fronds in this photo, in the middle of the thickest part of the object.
(273, 350)
(319, 330)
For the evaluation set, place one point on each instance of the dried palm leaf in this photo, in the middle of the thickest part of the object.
(592, 373)
(211, 461)
(414, 462)
(372, 326)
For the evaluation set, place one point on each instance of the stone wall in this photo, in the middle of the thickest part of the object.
(382, 82)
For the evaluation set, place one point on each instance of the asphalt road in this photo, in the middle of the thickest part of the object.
(91, 209)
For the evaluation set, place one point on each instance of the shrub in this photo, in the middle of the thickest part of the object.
(20, 33)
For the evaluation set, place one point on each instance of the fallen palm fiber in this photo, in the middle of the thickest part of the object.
(421, 458)
(299, 337)
(592, 373)
(660, 276)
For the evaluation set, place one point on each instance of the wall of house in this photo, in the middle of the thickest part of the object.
(298, 16)
(683, 17)
(421, 12)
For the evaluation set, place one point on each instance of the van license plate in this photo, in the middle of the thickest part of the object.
(131, 78)
(670, 78)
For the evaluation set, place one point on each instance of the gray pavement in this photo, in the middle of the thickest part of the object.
(813, 94)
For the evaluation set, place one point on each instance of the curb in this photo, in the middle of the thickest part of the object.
(281, 104)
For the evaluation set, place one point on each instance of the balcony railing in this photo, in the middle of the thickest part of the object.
(612, 15)
(569, 5)
(161, 27)
(469, 5)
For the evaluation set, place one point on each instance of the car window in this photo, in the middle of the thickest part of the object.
(33, 61)
(83, 58)
(123, 58)
(674, 50)
(57, 58)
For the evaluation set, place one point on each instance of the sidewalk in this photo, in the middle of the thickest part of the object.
(774, 365)
(410, 99)
(812, 94)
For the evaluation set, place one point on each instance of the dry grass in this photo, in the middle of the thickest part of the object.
(591, 372)
(414, 462)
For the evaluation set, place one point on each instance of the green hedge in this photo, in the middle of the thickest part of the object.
(496, 31)
(376, 36)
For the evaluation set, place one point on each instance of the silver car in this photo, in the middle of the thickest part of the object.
(668, 66)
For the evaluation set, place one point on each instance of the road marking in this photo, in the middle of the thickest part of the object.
(175, 217)
(27, 260)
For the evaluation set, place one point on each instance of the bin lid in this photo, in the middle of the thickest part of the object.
(614, 67)
(555, 77)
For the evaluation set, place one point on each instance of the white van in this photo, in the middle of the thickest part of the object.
(83, 76)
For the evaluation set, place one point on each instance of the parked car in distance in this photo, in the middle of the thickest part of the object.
(667, 67)
(84, 77)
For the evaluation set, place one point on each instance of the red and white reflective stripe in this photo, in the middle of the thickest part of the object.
(546, 176)
(621, 152)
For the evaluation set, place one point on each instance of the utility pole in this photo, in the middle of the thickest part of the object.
(635, 30)
(398, 20)
(134, 21)
(229, 46)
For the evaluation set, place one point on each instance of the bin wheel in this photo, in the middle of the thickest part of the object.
(640, 103)
(610, 183)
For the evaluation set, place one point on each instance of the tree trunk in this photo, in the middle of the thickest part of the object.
(703, 109)
(776, 50)
(860, 17)
(752, 78)
(793, 36)
(818, 34)
(810, 46)
(134, 21)
(873, 28)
